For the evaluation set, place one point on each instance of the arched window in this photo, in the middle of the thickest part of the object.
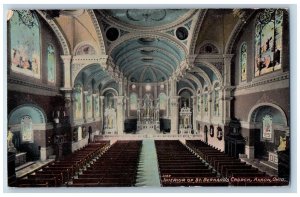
(162, 101)
(133, 101)
(199, 103)
(51, 63)
(243, 61)
(216, 102)
(267, 127)
(26, 129)
(215, 97)
(25, 43)
(205, 103)
(268, 41)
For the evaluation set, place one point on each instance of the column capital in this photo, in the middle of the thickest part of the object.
(66, 58)
(101, 97)
(228, 57)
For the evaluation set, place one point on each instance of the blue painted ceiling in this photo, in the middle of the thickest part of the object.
(146, 17)
(147, 59)
(92, 76)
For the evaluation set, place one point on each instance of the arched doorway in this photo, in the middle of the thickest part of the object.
(24, 121)
(269, 132)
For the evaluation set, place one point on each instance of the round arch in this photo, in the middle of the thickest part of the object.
(56, 29)
(109, 89)
(36, 113)
(255, 107)
(186, 88)
(96, 48)
(234, 35)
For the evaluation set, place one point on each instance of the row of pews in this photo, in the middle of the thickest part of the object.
(117, 167)
(179, 167)
(238, 173)
(58, 173)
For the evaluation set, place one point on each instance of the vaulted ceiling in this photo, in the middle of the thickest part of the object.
(151, 45)
(147, 45)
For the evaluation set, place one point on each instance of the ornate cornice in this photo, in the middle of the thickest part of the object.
(196, 31)
(129, 27)
(63, 41)
(98, 30)
(236, 31)
(284, 76)
(16, 81)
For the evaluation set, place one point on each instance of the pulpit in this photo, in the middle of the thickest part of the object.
(234, 141)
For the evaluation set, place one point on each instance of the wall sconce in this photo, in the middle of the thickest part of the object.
(219, 133)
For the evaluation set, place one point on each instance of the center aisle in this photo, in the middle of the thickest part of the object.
(148, 174)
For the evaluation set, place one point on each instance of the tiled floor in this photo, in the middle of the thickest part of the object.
(31, 167)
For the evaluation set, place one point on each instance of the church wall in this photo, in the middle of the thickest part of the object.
(23, 89)
(247, 35)
(244, 103)
(47, 37)
(272, 87)
(216, 27)
(96, 130)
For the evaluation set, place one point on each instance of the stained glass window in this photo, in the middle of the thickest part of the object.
(268, 41)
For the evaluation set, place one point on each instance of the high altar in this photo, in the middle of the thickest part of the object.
(185, 126)
(148, 114)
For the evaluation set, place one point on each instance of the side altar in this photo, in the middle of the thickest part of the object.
(148, 114)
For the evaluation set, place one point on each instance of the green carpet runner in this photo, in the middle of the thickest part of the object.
(148, 174)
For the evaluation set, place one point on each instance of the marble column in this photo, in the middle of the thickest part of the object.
(120, 114)
(226, 99)
(194, 98)
(209, 106)
(101, 112)
(174, 114)
(67, 71)
(84, 117)
(226, 89)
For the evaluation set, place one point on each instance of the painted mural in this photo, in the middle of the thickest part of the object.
(267, 127)
(268, 41)
(96, 106)
(88, 104)
(162, 101)
(26, 129)
(133, 101)
(216, 102)
(243, 62)
(78, 102)
(51, 63)
(199, 104)
(25, 43)
(205, 103)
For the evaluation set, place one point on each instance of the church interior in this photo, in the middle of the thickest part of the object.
(148, 97)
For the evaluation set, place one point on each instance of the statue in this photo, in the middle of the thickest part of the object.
(10, 144)
(110, 117)
(282, 145)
